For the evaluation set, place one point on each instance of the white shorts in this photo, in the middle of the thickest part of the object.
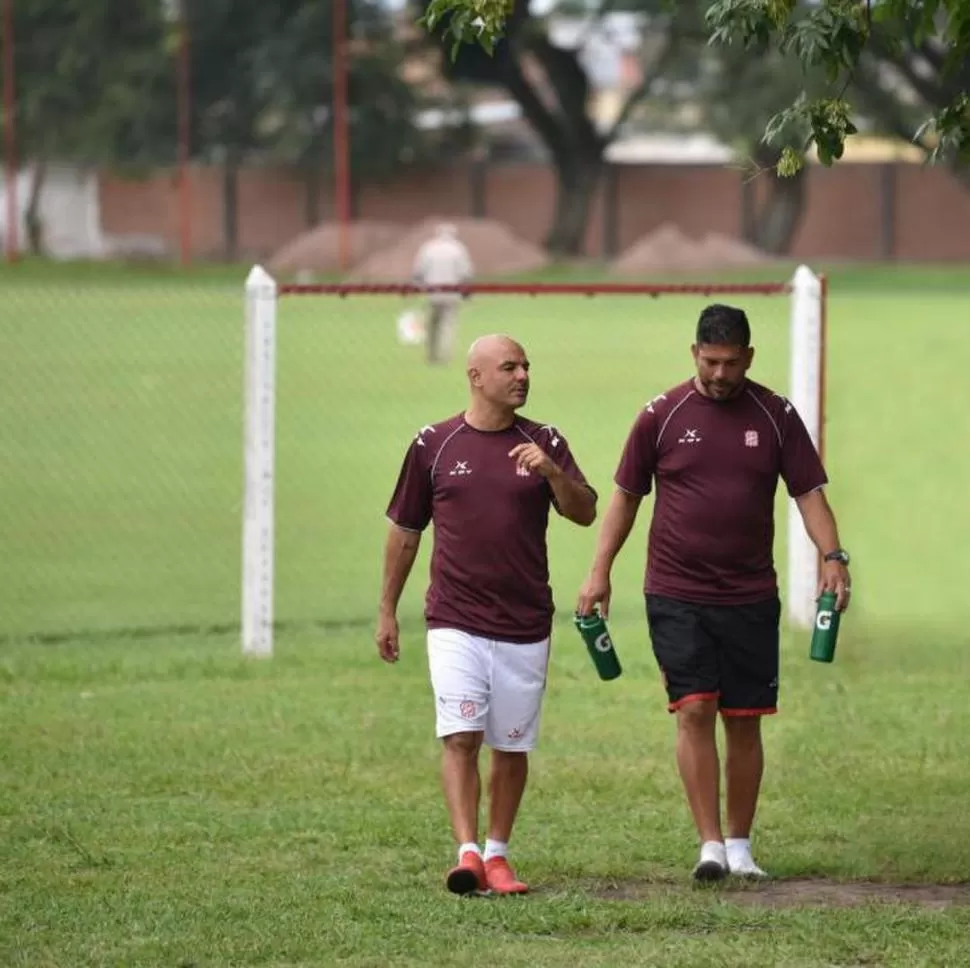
(481, 685)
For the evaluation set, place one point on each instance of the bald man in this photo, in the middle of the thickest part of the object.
(443, 260)
(486, 477)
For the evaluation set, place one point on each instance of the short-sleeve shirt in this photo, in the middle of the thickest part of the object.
(715, 465)
(489, 566)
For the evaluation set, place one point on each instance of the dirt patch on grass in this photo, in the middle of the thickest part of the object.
(317, 251)
(494, 248)
(668, 249)
(798, 892)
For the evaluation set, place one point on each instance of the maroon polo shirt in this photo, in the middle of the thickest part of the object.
(715, 465)
(489, 566)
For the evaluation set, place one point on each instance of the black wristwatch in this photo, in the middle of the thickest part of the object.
(840, 554)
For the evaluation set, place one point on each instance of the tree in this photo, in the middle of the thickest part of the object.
(552, 88)
(898, 84)
(298, 118)
(89, 78)
(263, 89)
(826, 35)
(725, 91)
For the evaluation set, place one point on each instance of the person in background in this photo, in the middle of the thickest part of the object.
(442, 260)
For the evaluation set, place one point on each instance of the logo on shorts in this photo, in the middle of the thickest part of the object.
(515, 733)
(460, 469)
(751, 438)
(467, 709)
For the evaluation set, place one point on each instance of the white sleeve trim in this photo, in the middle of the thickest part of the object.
(626, 490)
(402, 528)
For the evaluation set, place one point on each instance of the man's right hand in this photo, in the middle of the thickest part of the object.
(596, 590)
(387, 637)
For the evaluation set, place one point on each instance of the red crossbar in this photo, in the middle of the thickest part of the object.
(540, 289)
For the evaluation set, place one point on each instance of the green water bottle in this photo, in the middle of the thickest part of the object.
(599, 644)
(826, 631)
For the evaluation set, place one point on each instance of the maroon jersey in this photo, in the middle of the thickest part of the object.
(489, 569)
(716, 465)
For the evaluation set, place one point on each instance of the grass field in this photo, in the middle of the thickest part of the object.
(165, 802)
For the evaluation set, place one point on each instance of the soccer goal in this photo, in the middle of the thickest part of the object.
(803, 368)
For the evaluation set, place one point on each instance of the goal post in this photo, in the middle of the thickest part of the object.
(806, 392)
(807, 294)
(260, 463)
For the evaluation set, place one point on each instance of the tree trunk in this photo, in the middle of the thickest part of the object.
(32, 219)
(773, 226)
(230, 205)
(577, 179)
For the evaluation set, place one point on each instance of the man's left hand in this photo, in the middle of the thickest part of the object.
(531, 457)
(835, 578)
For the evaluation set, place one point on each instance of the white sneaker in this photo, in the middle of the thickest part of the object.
(712, 865)
(741, 863)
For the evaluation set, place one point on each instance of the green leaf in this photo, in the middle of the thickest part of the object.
(789, 164)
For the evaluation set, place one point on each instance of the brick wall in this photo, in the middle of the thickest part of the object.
(856, 212)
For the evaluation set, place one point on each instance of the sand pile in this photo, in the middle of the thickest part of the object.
(493, 248)
(721, 251)
(668, 249)
(318, 250)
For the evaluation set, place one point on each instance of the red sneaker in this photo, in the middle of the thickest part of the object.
(468, 876)
(501, 878)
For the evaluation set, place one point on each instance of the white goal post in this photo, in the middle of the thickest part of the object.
(807, 294)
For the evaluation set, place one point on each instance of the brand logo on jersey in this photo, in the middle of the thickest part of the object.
(690, 437)
(656, 399)
(427, 429)
(553, 435)
(751, 438)
(460, 469)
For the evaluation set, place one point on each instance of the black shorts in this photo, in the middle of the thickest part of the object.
(723, 652)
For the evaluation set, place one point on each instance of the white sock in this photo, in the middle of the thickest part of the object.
(738, 846)
(739, 857)
(468, 849)
(713, 850)
(496, 848)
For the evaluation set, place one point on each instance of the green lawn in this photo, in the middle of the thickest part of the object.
(165, 802)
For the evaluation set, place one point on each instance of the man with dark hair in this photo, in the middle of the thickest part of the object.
(715, 446)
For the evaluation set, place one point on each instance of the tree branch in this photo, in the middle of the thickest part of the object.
(511, 75)
(571, 85)
(931, 93)
(659, 67)
(883, 105)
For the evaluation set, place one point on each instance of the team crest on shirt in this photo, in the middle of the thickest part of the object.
(751, 438)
